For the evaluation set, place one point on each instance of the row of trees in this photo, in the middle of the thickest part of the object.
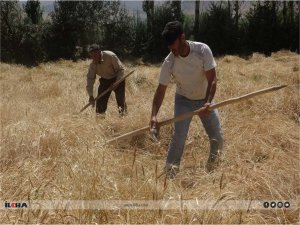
(29, 39)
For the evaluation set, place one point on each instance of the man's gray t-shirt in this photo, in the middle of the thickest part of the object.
(188, 71)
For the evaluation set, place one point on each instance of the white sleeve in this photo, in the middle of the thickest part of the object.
(209, 61)
(166, 71)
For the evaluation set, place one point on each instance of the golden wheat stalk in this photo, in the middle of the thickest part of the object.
(191, 114)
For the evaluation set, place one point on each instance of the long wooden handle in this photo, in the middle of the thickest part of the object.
(247, 96)
(223, 103)
(191, 114)
(112, 87)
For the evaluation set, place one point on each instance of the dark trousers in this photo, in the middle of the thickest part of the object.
(101, 104)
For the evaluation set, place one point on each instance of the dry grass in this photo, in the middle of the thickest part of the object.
(48, 152)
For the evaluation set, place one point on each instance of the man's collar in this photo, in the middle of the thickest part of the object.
(190, 45)
(102, 60)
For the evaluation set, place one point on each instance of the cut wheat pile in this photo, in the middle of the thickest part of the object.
(50, 153)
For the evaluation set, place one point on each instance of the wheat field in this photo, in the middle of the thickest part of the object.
(50, 152)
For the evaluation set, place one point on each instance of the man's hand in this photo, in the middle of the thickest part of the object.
(205, 110)
(92, 101)
(153, 122)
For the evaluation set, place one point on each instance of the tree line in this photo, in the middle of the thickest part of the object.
(28, 38)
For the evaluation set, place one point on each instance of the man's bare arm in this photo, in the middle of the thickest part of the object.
(157, 102)
(212, 85)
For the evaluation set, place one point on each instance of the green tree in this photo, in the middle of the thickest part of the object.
(11, 30)
(290, 26)
(118, 30)
(197, 17)
(237, 5)
(140, 36)
(80, 23)
(148, 7)
(175, 6)
(189, 26)
(263, 28)
(34, 11)
(31, 45)
(216, 28)
(164, 13)
(61, 39)
(74, 23)
(21, 41)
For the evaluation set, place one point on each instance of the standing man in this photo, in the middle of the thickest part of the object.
(108, 66)
(193, 67)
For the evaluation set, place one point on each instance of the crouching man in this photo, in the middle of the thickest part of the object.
(107, 65)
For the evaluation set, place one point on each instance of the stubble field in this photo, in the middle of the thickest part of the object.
(50, 152)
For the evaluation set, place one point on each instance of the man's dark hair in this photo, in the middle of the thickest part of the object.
(171, 32)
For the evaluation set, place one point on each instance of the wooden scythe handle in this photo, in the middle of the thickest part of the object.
(191, 114)
(112, 87)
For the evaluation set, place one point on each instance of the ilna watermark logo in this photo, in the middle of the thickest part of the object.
(15, 205)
